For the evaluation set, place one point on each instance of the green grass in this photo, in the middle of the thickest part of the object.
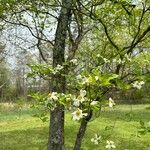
(21, 131)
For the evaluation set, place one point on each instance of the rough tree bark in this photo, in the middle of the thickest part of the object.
(56, 131)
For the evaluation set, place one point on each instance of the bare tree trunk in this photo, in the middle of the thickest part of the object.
(56, 131)
(81, 131)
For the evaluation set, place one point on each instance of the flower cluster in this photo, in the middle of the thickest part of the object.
(119, 61)
(55, 98)
(138, 84)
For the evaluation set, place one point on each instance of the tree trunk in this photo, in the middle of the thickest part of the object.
(81, 131)
(80, 135)
(56, 131)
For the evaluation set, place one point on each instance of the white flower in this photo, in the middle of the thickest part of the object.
(96, 139)
(111, 102)
(59, 67)
(82, 93)
(77, 115)
(96, 78)
(80, 99)
(55, 71)
(53, 96)
(142, 82)
(74, 61)
(94, 103)
(138, 85)
(110, 145)
(76, 102)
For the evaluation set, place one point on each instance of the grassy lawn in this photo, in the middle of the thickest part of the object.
(20, 131)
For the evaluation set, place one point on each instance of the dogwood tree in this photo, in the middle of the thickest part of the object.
(93, 44)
